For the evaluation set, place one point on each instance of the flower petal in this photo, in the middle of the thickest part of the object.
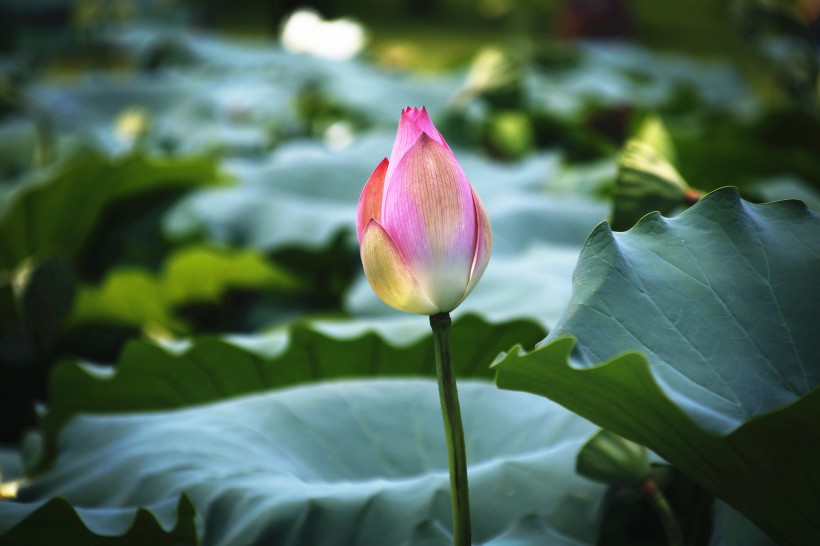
(370, 202)
(389, 275)
(412, 123)
(424, 124)
(429, 211)
(483, 246)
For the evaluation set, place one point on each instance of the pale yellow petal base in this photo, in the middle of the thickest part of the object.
(388, 273)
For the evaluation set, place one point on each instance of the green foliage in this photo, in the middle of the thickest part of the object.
(195, 274)
(621, 394)
(717, 301)
(57, 212)
(313, 433)
(509, 135)
(653, 132)
(579, 142)
(613, 460)
(349, 462)
(45, 295)
(647, 179)
(150, 377)
(781, 142)
(167, 523)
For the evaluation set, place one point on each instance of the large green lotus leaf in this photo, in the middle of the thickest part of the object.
(345, 462)
(766, 468)
(56, 521)
(730, 528)
(193, 274)
(58, 211)
(721, 299)
(150, 377)
(722, 302)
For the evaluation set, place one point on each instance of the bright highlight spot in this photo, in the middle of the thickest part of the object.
(306, 32)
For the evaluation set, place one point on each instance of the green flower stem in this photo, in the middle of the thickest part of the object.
(650, 489)
(453, 430)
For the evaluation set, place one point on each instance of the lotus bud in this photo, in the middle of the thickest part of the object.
(424, 235)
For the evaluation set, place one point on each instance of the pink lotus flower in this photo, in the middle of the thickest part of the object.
(424, 235)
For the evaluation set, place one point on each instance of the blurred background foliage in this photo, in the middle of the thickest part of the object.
(178, 168)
